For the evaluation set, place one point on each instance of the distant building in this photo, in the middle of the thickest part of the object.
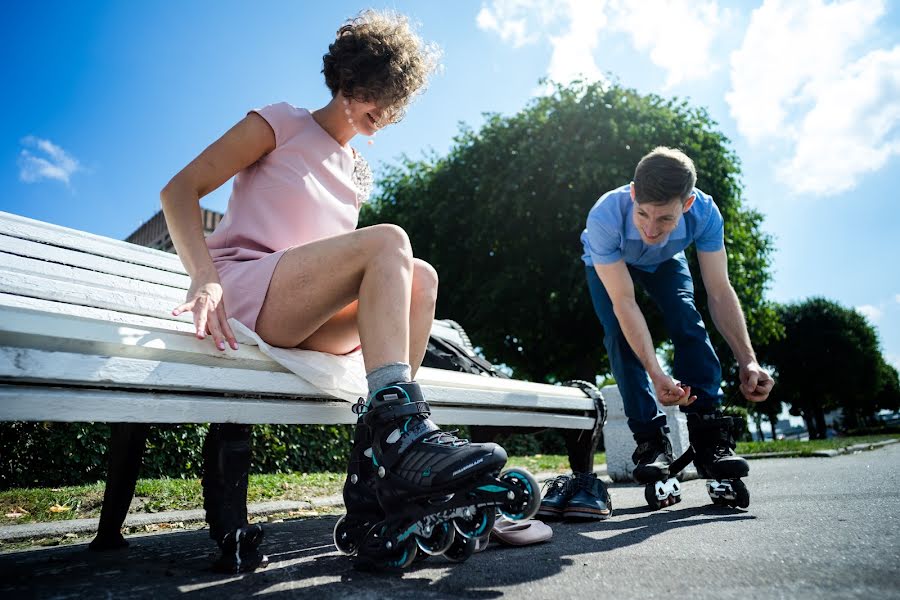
(154, 233)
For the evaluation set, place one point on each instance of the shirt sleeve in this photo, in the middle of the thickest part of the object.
(604, 243)
(282, 118)
(711, 237)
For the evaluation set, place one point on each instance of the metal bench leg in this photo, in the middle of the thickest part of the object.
(226, 470)
(581, 445)
(126, 451)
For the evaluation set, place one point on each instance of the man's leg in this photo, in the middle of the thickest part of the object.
(697, 365)
(634, 384)
(653, 454)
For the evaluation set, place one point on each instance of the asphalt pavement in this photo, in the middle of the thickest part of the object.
(816, 527)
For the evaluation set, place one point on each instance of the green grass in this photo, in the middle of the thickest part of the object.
(806, 448)
(157, 495)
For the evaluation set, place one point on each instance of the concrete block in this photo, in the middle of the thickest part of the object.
(620, 444)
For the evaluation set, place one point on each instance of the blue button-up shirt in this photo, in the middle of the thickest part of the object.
(611, 234)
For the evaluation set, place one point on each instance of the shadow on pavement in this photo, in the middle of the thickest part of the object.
(304, 563)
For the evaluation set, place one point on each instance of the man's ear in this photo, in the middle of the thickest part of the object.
(632, 191)
(689, 202)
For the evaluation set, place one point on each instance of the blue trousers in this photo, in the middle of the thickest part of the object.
(696, 363)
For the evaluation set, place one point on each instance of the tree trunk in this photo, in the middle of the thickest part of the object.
(821, 429)
(757, 418)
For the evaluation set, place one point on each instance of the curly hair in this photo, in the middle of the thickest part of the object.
(377, 56)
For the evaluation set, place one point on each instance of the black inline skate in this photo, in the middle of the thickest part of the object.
(226, 466)
(653, 460)
(439, 493)
(712, 439)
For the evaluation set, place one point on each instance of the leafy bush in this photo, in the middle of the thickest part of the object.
(57, 454)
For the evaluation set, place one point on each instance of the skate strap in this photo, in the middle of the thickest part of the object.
(681, 462)
(387, 413)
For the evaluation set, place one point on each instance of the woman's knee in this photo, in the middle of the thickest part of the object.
(389, 241)
(424, 284)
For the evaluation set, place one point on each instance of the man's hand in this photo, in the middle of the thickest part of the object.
(670, 392)
(756, 383)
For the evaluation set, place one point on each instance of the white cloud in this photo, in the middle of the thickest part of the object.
(42, 159)
(897, 298)
(677, 35)
(871, 312)
(803, 77)
(510, 19)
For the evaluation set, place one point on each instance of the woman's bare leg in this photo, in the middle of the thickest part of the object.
(317, 282)
(340, 334)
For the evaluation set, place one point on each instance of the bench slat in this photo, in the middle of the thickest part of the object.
(31, 329)
(92, 262)
(24, 403)
(62, 368)
(182, 323)
(84, 294)
(63, 237)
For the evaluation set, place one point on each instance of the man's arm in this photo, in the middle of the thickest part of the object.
(620, 287)
(729, 320)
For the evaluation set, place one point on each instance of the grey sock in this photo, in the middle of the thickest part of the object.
(385, 375)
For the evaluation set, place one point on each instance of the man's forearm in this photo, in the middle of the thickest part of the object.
(729, 320)
(634, 327)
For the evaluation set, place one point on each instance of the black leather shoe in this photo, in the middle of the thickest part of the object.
(591, 499)
(558, 492)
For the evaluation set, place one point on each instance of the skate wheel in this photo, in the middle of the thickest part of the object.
(403, 557)
(343, 538)
(741, 494)
(480, 523)
(461, 549)
(529, 490)
(650, 496)
(439, 540)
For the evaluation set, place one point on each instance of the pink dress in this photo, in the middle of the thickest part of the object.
(302, 191)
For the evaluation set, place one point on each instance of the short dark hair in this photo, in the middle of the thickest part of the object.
(378, 56)
(664, 174)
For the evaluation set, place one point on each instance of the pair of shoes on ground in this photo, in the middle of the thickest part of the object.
(576, 496)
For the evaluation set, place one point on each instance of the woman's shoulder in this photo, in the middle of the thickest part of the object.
(285, 119)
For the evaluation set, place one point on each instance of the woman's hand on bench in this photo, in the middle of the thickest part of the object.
(204, 299)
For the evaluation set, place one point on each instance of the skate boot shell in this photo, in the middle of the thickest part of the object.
(713, 442)
(439, 493)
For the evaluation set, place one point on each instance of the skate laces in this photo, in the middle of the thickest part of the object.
(446, 437)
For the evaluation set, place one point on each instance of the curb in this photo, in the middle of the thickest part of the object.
(822, 453)
(53, 529)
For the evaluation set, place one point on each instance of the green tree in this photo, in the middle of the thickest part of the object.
(829, 358)
(500, 218)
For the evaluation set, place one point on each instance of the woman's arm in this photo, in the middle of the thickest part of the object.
(244, 144)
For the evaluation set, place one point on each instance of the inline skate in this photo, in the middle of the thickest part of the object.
(653, 459)
(438, 493)
(713, 443)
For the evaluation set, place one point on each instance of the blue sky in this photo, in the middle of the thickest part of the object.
(105, 101)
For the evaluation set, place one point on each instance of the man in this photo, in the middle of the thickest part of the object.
(637, 234)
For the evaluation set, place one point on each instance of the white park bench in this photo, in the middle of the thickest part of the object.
(87, 335)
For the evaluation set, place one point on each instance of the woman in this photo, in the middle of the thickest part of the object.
(288, 262)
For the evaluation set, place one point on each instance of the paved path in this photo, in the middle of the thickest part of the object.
(817, 527)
